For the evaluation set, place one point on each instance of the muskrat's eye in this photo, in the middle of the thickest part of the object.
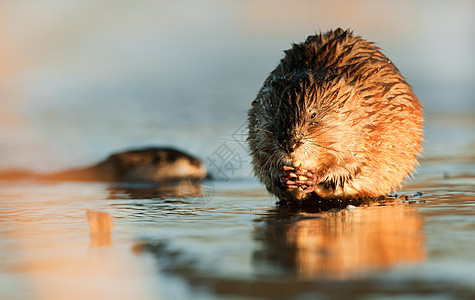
(313, 115)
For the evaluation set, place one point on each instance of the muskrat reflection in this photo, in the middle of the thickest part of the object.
(341, 245)
(182, 189)
(100, 226)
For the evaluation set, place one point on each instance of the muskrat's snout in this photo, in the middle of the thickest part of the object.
(291, 145)
(289, 142)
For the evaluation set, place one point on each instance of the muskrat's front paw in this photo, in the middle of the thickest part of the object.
(306, 180)
(288, 178)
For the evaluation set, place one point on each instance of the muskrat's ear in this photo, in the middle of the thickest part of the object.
(339, 31)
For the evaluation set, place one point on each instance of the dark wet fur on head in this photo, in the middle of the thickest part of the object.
(338, 103)
(151, 156)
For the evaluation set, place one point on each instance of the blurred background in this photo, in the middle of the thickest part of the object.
(82, 79)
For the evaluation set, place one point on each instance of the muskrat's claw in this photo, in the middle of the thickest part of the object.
(288, 177)
(307, 179)
(287, 169)
(309, 189)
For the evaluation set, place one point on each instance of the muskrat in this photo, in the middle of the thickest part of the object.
(151, 164)
(336, 105)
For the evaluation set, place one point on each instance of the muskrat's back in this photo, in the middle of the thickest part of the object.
(339, 106)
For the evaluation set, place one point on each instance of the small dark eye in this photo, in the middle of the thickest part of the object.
(313, 115)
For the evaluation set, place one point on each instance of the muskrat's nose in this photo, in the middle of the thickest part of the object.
(290, 146)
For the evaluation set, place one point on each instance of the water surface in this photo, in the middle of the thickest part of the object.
(233, 241)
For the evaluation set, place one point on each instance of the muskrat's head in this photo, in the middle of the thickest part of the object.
(291, 119)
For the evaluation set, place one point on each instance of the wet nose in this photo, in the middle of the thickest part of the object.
(291, 146)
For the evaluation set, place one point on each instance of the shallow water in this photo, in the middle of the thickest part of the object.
(97, 240)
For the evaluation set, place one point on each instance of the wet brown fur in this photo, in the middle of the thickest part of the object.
(339, 105)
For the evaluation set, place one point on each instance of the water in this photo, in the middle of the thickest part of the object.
(106, 76)
(234, 242)
(238, 244)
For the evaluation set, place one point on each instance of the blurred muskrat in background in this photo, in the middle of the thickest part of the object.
(152, 164)
(334, 120)
(140, 165)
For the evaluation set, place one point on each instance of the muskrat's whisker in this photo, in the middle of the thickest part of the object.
(318, 133)
(312, 142)
(262, 129)
(226, 140)
(313, 151)
(308, 151)
(324, 147)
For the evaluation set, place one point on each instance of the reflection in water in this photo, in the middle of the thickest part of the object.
(341, 245)
(50, 253)
(145, 202)
(177, 189)
(298, 252)
(100, 225)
